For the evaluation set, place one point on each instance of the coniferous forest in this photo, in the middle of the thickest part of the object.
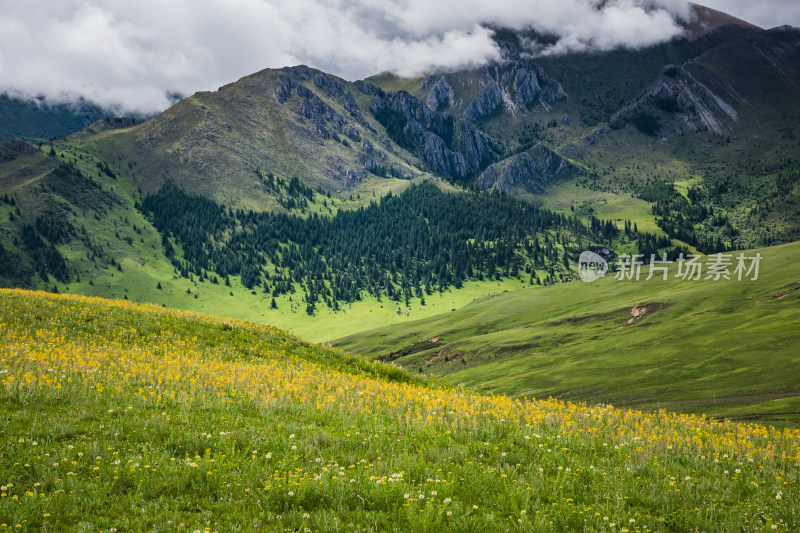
(407, 246)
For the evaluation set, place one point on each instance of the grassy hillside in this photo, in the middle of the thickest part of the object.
(725, 348)
(121, 417)
(224, 143)
(70, 210)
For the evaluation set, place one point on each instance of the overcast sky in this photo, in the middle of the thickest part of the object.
(764, 13)
(131, 54)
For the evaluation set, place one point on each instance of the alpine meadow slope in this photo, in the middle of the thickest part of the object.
(725, 348)
(123, 416)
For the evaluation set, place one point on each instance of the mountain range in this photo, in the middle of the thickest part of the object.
(329, 207)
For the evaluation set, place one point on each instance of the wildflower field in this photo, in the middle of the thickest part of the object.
(124, 417)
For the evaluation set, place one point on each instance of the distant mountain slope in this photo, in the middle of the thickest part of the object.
(41, 120)
(706, 21)
(725, 348)
(714, 114)
(290, 123)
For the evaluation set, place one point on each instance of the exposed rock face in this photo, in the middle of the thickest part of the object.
(678, 99)
(351, 106)
(114, 123)
(290, 79)
(330, 86)
(527, 85)
(440, 96)
(515, 85)
(368, 88)
(528, 171)
(327, 122)
(476, 147)
(441, 159)
(336, 89)
(485, 103)
(398, 173)
(372, 158)
(448, 146)
(352, 133)
(414, 110)
(333, 112)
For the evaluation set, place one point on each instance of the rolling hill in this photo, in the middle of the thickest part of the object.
(123, 416)
(725, 348)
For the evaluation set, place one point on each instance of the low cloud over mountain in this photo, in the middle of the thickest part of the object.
(131, 54)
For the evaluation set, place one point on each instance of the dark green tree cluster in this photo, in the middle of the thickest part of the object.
(404, 247)
(691, 218)
(46, 258)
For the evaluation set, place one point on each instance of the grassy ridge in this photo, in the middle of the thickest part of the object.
(725, 348)
(125, 416)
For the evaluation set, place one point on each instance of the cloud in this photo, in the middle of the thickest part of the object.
(131, 54)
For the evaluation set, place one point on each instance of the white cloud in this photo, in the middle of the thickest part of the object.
(132, 53)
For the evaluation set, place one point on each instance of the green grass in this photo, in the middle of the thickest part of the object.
(140, 284)
(724, 348)
(618, 207)
(120, 417)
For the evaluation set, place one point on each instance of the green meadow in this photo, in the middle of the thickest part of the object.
(725, 348)
(128, 417)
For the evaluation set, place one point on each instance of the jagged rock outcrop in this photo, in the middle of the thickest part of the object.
(327, 122)
(329, 85)
(368, 88)
(351, 106)
(352, 133)
(528, 171)
(414, 110)
(335, 89)
(677, 100)
(515, 85)
(440, 96)
(113, 123)
(474, 145)
(372, 158)
(290, 79)
(485, 103)
(441, 159)
(448, 146)
(397, 173)
(527, 85)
